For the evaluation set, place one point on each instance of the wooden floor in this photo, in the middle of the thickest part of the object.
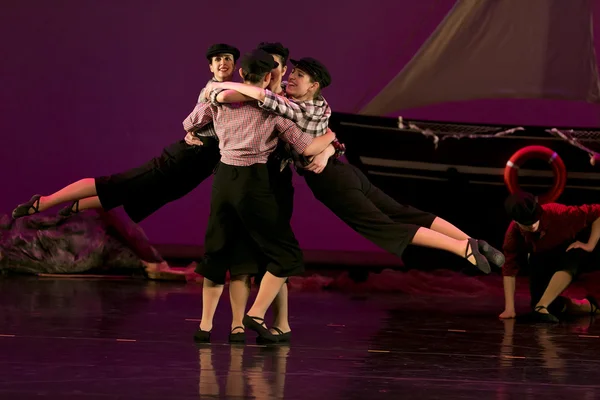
(132, 339)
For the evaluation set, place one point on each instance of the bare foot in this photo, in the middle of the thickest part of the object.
(162, 271)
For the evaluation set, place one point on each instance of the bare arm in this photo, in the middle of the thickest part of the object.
(303, 143)
(516, 255)
(327, 153)
(319, 144)
(319, 162)
(231, 96)
(509, 295)
(253, 92)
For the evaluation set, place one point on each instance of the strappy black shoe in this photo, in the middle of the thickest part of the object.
(201, 336)
(22, 210)
(481, 262)
(258, 325)
(281, 336)
(238, 337)
(543, 317)
(70, 210)
(493, 255)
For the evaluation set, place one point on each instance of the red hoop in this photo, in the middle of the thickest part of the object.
(511, 171)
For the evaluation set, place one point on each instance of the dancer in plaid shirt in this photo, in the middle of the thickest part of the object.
(343, 188)
(143, 190)
(239, 286)
(180, 168)
(242, 198)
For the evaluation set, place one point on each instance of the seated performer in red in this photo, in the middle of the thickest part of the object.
(243, 203)
(557, 242)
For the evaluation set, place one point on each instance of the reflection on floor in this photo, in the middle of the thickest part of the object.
(132, 339)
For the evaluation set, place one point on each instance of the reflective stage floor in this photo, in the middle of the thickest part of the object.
(132, 339)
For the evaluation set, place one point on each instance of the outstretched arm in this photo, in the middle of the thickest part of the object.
(319, 144)
(229, 96)
(509, 297)
(267, 99)
(251, 91)
(516, 255)
(302, 142)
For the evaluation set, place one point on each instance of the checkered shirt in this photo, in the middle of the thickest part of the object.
(312, 116)
(208, 130)
(247, 134)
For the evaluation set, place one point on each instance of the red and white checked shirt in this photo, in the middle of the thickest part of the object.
(312, 116)
(208, 130)
(247, 134)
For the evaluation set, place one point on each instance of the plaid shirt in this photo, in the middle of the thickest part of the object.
(208, 130)
(312, 116)
(246, 133)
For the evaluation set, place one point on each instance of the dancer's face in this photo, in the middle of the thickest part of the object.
(530, 228)
(221, 66)
(301, 86)
(277, 73)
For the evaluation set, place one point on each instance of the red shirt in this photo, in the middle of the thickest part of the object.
(247, 133)
(559, 224)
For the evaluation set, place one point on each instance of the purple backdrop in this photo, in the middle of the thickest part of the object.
(93, 87)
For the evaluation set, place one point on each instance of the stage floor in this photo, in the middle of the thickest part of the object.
(132, 339)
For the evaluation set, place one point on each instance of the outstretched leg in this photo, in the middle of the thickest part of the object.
(442, 226)
(141, 190)
(405, 214)
(82, 189)
(79, 190)
(367, 210)
(467, 248)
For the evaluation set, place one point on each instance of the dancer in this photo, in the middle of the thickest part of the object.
(92, 242)
(281, 185)
(283, 190)
(560, 241)
(242, 198)
(343, 188)
(142, 191)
